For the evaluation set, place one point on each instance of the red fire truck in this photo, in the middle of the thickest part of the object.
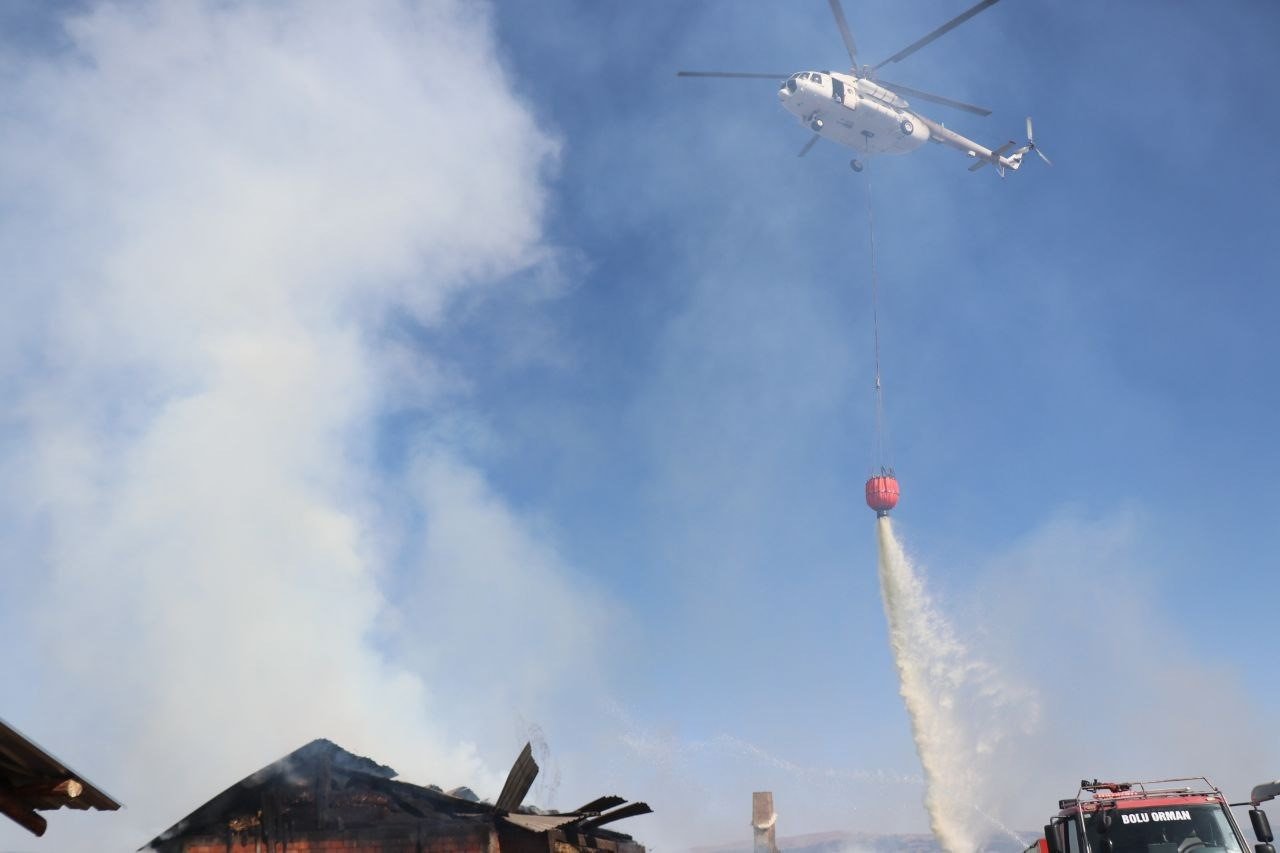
(1166, 816)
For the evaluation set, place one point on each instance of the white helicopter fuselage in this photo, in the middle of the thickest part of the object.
(854, 112)
(869, 114)
(871, 119)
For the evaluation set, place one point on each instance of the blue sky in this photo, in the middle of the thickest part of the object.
(517, 323)
(1088, 341)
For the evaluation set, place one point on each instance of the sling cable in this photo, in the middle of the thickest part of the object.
(882, 487)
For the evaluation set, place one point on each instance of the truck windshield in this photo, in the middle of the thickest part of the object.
(1185, 829)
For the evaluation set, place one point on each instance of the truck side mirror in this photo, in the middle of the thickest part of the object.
(1261, 826)
(1264, 848)
(1053, 837)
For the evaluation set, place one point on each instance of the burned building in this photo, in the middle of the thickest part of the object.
(322, 799)
(32, 781)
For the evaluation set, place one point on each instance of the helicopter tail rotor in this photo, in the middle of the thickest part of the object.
(1015, 159)
(1031, 144)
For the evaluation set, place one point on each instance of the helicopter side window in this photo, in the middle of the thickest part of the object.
(817, 78)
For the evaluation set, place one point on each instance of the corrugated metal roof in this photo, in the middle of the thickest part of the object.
(519, 781)
(542, 822)
(600, 804)
(617, 814)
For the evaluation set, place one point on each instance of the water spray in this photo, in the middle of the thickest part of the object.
(931, 666)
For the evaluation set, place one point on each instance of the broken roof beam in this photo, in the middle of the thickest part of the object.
(65, 789)
(21, 814)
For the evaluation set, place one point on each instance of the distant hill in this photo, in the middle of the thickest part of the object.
(866, 842)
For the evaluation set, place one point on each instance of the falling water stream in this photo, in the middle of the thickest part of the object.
(935, 673)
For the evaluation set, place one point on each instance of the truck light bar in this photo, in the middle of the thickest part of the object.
(1104, 791)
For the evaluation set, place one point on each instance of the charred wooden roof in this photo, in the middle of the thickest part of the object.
(32, 780)
(322, 790)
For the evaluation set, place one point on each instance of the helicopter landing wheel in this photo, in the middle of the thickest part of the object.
(907, 127)
(856, 165)
(815, 125)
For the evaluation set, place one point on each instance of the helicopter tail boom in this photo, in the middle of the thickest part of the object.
(985, 156)
(946, 136)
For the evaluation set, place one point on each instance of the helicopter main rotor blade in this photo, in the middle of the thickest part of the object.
(747, 74)
(845, 32)
(937, 99)
(938, 33)
(813, 140)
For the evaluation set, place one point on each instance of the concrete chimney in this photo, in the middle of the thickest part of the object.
(762, 820)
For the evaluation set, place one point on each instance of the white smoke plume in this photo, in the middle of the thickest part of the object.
(211, 211)
(961, 708)
(1076, 606)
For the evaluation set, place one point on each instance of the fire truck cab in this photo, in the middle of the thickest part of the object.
(1187, 815)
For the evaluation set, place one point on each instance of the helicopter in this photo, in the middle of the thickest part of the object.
(872, 116)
